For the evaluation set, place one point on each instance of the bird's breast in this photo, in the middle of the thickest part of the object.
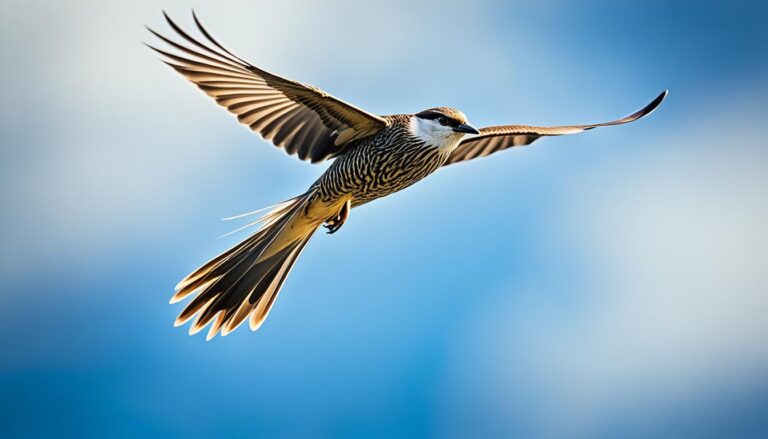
(381, 166)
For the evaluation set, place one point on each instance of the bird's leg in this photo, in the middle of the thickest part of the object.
(333, 224)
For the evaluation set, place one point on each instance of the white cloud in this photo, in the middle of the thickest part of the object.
(670, 300)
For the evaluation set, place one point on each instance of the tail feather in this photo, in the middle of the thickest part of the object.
(254, 212)
(219, 265)
(238, 291)
(245, 280)
(269, 296)
(258, 306)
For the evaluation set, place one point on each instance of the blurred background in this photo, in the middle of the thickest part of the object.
(608, 284)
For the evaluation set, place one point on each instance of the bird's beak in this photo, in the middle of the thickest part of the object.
(466, 128)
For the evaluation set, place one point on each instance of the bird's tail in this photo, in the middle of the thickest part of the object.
(245, 280)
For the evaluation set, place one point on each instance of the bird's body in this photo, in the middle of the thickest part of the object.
(374, 156)
(382, 164)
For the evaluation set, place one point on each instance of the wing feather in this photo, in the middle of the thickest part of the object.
(498, 138)
(301, 119)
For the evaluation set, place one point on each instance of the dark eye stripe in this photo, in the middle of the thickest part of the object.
(433, 115)
(429, 115)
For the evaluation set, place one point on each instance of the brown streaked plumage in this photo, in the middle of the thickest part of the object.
(433, 113)
(374, 156)
(300, 118)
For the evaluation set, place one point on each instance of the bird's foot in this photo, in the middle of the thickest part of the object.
(333, 224)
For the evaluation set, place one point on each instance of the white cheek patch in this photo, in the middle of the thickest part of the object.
(420, 129)
(434, 134)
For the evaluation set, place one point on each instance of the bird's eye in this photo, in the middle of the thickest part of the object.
(442, 120)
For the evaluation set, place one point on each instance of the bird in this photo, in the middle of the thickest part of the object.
(373, 157)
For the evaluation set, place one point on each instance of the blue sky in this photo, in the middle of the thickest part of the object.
(608, 284)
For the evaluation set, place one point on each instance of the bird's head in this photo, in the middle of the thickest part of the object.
(441, 126)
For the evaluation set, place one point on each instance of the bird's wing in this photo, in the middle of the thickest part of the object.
(300, 118)
(499, 138)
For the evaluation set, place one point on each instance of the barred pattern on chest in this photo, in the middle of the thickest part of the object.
(380, 165)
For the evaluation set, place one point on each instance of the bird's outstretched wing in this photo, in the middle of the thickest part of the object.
(499, 138)
(300, 118)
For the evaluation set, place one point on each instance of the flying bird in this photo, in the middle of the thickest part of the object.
(373, 156)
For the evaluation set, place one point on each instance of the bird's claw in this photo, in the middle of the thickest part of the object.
(334, 224)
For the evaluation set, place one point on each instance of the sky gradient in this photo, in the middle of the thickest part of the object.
(607, 284)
